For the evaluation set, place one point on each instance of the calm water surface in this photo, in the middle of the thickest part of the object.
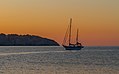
(56, 60)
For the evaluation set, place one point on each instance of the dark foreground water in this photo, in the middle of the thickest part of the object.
(56, 60)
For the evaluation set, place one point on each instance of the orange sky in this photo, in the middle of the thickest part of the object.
(98, 20)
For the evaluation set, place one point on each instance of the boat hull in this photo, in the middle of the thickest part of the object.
(73, 48)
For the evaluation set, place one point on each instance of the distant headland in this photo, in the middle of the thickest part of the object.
(25, 40)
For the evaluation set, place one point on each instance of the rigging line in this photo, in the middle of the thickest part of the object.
(66, 35)
(70, 30)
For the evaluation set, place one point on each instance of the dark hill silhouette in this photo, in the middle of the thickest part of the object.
(25, 40)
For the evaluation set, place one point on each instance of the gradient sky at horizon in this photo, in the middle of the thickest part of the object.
(98, 20)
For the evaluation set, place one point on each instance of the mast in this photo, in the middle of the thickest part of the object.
(77, 36)
(70, 31)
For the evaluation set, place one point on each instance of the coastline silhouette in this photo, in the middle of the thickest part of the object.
(25, 40)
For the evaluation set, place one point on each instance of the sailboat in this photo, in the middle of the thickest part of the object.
(70, 46)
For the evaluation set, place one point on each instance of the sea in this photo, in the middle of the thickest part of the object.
(57, 60)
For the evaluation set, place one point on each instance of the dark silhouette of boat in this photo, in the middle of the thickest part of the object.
(70, 46)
